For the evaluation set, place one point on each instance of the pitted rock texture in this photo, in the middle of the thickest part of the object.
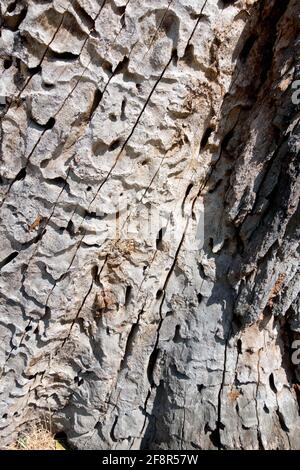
(149, 224)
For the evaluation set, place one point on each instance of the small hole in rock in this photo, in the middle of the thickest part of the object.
(189, 56)
(159, 239)
(47, 312)
(205, 137)
(266, 409)
(35, 70)
(64, 56)
(188, 190)
(58, 180)
(11, 7)
(159, 293)
(151, 364)
(94, 34)
(50, 124)
(21, 175)
(107, 66)
(128, 295)
(7, 63)
(121, 10)
(114, 145)
(70, 228)
(177, 337)
(48, 86)
(96, 101)
(207, 428)
(123, 108)
(272, 383)
(94, 272)
(122, 67)
(122, 21)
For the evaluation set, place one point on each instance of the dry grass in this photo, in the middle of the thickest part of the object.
(37, 437)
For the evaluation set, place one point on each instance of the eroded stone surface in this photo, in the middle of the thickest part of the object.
(137, 332)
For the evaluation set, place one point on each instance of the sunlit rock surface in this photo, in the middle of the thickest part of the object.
(149, 280)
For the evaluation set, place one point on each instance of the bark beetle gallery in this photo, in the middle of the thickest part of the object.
(150, 185)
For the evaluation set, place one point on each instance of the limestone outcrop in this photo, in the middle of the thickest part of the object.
(149, 222)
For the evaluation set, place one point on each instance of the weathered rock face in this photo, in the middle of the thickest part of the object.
(150, 222)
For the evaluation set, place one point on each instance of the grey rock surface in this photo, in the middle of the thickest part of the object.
(149, 224)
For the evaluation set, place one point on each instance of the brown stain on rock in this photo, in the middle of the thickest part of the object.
(36, 223)
(276, 289)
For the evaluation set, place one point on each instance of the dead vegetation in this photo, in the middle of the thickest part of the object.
(38, 436)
